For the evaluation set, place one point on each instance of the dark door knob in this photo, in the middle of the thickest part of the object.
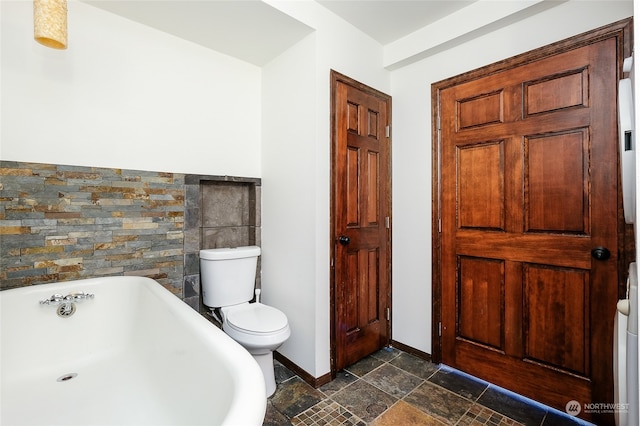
(344, 240)
(601, 253)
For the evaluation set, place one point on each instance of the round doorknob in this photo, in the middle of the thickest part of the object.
(601, 253)
(344, 240)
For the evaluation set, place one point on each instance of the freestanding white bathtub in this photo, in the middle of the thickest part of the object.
(134, 354)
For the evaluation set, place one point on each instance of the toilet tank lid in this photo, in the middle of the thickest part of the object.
(230, 253)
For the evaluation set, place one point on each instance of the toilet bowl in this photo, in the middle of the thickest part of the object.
(260, 329)
(227, 277)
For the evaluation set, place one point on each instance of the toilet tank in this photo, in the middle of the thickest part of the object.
(228, 275)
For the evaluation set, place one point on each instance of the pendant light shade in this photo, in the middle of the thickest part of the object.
(50, 23)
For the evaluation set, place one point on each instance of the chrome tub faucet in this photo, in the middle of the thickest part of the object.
(66, 304)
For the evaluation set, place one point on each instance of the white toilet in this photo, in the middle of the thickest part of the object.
(228, 277)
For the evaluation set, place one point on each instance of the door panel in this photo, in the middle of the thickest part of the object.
(528, 187)
(556, 320)
(481, 189)
(556, 173)
(360, 205)
(481, 294)
(556, 92)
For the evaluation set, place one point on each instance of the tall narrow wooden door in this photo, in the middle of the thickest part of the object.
(528, 189)
(360, 220)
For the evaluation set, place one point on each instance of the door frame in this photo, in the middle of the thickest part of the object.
(335, 78)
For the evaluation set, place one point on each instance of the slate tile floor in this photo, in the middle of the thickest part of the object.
(392, 387)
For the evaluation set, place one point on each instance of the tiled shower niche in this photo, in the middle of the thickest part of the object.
(219, 212)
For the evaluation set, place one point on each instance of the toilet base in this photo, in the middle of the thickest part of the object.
(265, 361)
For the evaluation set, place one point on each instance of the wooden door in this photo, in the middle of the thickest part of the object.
(360, 221)
(528, 189)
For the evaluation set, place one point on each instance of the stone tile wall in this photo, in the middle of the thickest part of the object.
(60, 223)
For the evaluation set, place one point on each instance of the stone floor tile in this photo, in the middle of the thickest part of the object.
(478, 415)
(273, 417)
(386, 354)
(364, 400)
(364, 366)
(438, 402)
(393, 380)
(459, 383)
(327, 413)
(511, 406)
(415, 365)
(295, 396)
(554, 418)
(282, 373)
(343, 379)
(402, 413)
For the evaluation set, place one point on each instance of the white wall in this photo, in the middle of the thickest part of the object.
(288, 197)
(296, 173)
(125, 96)
(411, 90)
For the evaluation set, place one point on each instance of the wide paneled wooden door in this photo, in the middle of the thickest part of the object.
(528, 189)
(361, 233)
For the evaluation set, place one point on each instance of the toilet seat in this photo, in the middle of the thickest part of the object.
(255, 319)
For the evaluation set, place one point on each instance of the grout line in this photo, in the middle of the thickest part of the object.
(482, 393)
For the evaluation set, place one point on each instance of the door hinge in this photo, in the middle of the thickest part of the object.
(388, 314)
(388, 131)
(440, 329)
(387, 222)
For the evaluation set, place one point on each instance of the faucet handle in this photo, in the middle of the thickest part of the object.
(56, 299)
(79, 297)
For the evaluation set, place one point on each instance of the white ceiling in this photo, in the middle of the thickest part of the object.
(249, 30)
(253, 31)
(389, 20)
